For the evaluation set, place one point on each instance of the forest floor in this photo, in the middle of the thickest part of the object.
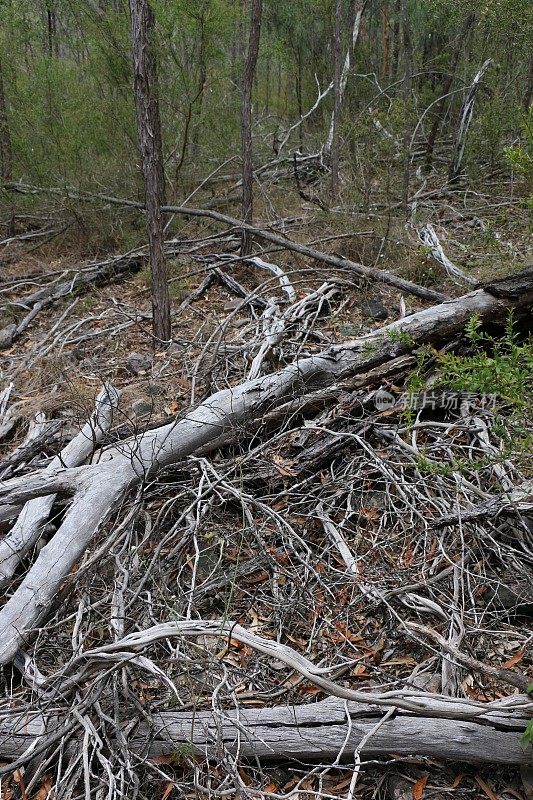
(245, 532)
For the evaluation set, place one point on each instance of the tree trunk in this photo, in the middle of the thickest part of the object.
(318, 732)
(151, 153)
(298, 88)
(202, 85)
(371, 273)
(6, 152)
(396, 41)
(359, 8)
(334, 131)
(51, 29)
(445, 91)
(407, 81)
(314, 732)
(385, 69)
(528, 96)
(246, 128)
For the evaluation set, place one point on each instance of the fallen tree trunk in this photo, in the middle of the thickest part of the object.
(361, 270)
(349, 720)
(29, 525)
(98, 488)
(324, 731)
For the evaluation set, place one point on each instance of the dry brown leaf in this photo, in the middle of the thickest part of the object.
(245, 777)
(310, 690)
(514, 660)
(44, 791)
(457, 780)
(18, 777)
(260, 577)
(167, 791)
(419, 787)
(183, 383)
(486, 788)
(291, 783)
(339, 787)
(281, 504)
(378, 650)
(163, 759)
(172, 408)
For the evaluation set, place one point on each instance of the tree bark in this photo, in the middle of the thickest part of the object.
(98, 488)
(314, 732)
(528, 95)
(51, 29)
(151, 154)
(246, 126)
(336, 102)
(30, 524)
(396, 40)
(6, 151)
(407, 81)
(385, 69)
(318, 732)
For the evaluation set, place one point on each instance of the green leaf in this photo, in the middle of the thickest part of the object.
(527, 737)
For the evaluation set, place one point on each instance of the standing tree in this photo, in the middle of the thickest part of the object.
(407, 83)
(246, 129)
(6, 154)
(5, 136)
(151, 153)
(334, 129)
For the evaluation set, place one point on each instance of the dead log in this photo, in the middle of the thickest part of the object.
(98, 488)
(425, 724)
(32, 519)
(361, 270)
(318, 732)
(321, 731)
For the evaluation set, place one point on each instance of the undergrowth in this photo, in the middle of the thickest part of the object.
(499, 370)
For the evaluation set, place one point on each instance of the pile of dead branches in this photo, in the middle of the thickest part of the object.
(182, 597)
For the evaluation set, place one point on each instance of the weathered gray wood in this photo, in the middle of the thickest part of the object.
(98, 488)
(318, 732)
(311, 732)
(28, 527)
(94, 275)
(465, 118)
